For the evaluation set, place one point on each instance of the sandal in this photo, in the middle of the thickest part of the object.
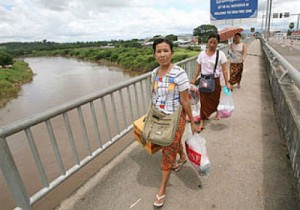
(178, 166)
(199, 129)
(160, 201)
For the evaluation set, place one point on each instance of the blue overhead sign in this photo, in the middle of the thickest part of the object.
(232, 9)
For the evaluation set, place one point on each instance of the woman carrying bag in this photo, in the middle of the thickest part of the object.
(169, 92)
(211, 64)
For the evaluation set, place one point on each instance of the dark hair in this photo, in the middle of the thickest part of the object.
(239, 34)
(214, 35)
(162, 40)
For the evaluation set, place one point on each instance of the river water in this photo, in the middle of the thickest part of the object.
(57, 80)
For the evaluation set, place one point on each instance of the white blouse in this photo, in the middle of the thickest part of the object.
(208, 63)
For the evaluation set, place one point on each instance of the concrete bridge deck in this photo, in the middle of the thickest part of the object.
(250, 165)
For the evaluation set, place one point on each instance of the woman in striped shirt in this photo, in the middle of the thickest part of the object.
(170, 90)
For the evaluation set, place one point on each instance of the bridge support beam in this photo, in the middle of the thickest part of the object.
(12, 176)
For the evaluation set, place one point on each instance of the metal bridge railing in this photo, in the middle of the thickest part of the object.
(73, 134)
(290, 70)
(284, 82)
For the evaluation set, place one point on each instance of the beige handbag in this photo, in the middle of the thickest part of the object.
(160, 128)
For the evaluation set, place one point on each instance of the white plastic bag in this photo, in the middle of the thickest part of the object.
(187, 132)
(195, 112)
(194, 94)
(226, 106)
(197, 154)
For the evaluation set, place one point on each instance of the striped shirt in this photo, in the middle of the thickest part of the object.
(166, 89)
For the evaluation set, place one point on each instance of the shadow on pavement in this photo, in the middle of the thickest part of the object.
(149, 173)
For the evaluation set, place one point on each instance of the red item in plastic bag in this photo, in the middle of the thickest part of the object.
(193, 156)
(226, 106)
(197, 154)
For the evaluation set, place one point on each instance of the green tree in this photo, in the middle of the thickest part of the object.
(172, 37)
(5, 59)
(204, 31)
(291, 25)
(157, 36)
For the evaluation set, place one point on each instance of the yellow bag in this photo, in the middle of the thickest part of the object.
(138, 126)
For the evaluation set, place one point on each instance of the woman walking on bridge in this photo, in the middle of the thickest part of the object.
(170, 90)
(237, 54)
(211, 62)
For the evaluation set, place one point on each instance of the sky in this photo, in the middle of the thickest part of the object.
(104, 20)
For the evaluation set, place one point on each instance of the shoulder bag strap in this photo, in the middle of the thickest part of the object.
(153, 81)
(152, 88)
(217, 59)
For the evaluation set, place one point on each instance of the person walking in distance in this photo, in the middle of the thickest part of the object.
(237, 54)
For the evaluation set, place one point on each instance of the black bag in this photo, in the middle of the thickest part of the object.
(207, 82)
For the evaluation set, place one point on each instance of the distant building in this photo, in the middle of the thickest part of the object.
(183, 40)
(295, 34)
(279, 34)
(187, 40)
(147, 44)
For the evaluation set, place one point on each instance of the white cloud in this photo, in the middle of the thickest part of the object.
(279, 6)
(92, 20)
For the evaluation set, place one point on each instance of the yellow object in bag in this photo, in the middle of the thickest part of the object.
(138, 135)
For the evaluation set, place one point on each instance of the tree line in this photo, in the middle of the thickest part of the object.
(128, 54)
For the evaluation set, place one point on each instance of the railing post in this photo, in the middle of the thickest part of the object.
(12, 176)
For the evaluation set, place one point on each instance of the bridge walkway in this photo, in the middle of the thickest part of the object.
(250, 165)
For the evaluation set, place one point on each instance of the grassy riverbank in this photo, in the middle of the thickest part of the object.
(127, 58)
(11, 80)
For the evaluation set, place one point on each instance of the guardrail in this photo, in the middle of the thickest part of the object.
(128, 97)
(275, 58)
(284, 80)
(115, 108)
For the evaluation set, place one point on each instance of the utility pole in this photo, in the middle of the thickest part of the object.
(266, 21)
(297, 19)
(262, 20)
(269, 19)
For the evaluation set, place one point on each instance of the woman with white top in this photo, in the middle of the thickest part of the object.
(237, 56)
(206, 63)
